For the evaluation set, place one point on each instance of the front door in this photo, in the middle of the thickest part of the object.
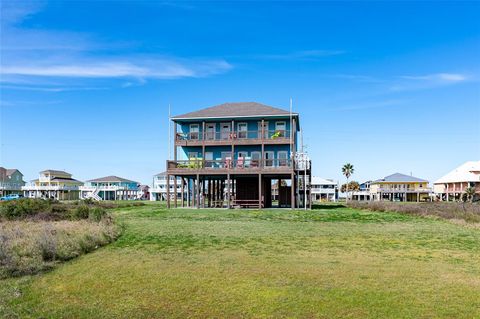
(210, 131)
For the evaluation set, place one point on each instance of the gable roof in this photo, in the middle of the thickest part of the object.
(316, 180)
(231, 110)
(463, 173)
(11, 171)
(55, 172)
(399, 178)
(111, 178)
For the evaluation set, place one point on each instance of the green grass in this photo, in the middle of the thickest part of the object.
(331, 262)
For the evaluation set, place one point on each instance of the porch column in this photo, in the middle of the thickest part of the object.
(182, 192)
(198, 191)
(168, 191)
(292, 195)
(229, 190)
(418, 197)
(259, 191)
(175, 190)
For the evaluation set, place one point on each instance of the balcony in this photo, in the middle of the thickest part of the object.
(232, 137)
(50, 188)
(404, 190)
(228, 166)
(106, 188)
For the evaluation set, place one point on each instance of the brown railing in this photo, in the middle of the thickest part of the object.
(233, 135)
(246, 164)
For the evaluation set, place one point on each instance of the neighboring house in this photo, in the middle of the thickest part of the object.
(11, 181)
(400, 187)
(324, 190)
(159, 188)
(363, 192)
(110, 188)
(242, 148)
(53, 184)
(451, 186)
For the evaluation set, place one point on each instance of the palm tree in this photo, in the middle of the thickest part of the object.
(470, 193)
(347, 170)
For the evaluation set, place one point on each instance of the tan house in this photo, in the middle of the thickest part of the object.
(451, 186)
(400, 187)
(53, 184)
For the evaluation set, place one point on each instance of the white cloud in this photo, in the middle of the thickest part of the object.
(439, 77)
(36, 56)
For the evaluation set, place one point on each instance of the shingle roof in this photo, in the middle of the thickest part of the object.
(316, 180)
(10, 171)
(59, 179)
(55, 172)
(111, 179)
(463, 173)
(241, 109)
(399, 178)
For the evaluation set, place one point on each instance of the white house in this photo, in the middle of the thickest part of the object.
(159, 187)
(324, 189)
(451, 186)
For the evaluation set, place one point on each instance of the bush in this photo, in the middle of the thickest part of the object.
(97, 214)
(469, 212)
(23, 208)
(81, 212)
(28, 247)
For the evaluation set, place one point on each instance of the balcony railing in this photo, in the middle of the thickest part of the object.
(233, 135)
(403, 190)
(239, 164)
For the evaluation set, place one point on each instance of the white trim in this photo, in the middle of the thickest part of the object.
(239, 116)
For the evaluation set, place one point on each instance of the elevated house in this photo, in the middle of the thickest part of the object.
(363, 193)
(451, 186)
(111, 188)
(158, 192)
(400, 187)
(229, 155)
(11, 181)
(324, 190)
(53, 184)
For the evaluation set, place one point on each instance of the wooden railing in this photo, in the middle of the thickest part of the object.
(244, 164)
(233, 135)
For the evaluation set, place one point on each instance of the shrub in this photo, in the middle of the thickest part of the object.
(81, 212)
(97, 214)
(469, 212)
(23, 208)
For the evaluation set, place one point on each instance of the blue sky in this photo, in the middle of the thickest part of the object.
(387, 86)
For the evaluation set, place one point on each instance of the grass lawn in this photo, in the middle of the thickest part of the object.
(331, 262)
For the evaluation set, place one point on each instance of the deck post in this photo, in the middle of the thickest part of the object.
(260, 191)
(198, 191)
(183, 192)
(292, 191)
(175, 190)
(229, 190)
(168, 191)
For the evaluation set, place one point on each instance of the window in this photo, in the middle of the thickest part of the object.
(226, 154)
(269, 156)
(256, 157)
(281, 128)
(209, 159)
(242, 154)
(242, 129)
(194, 131)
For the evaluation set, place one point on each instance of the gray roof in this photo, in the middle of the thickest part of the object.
(111, 179)
(55, 172)
(232, 110)
(399, 178)
(10, 171)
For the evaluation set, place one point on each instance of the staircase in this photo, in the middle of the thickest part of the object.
(94, 195)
